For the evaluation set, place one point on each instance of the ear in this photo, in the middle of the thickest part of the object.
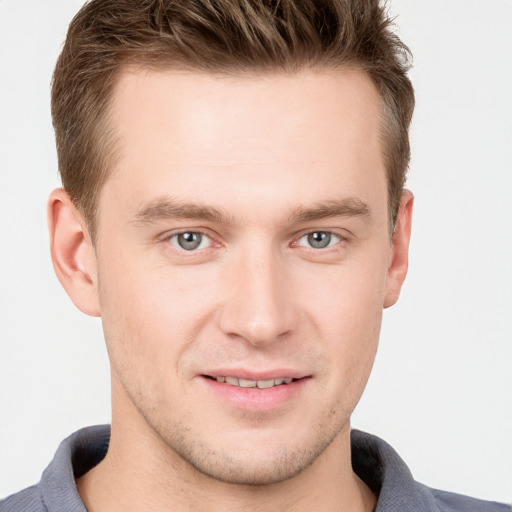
(72, 251)
(400, 250)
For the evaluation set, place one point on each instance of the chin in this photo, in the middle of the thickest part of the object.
(251, 469)
(253, 462)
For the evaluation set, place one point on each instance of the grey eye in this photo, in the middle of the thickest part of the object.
(319, 239)
(189, 241)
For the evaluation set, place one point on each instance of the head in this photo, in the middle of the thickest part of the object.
(232, 172)
(222, 38)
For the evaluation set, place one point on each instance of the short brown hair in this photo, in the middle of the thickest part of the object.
(218, 36)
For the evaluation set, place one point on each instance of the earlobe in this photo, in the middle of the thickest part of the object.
(72, 251)
(400, 250)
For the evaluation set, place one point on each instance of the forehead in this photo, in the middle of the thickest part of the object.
(306, 106)
(195, 133)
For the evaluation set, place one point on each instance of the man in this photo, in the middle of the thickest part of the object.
(233, 208)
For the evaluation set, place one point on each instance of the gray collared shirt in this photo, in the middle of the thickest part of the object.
(376, 463)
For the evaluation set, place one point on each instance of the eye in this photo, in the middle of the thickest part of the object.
(319, 239)
(190, 240)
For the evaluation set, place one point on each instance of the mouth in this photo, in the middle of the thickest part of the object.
(246, 383)
(256, 392)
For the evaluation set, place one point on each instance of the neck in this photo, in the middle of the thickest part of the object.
(141, 472)
(136, 476)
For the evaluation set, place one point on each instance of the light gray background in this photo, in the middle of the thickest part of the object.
(441, 390)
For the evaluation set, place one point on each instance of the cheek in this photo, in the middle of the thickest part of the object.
(151, 313)
(346, 298)
(345, 308)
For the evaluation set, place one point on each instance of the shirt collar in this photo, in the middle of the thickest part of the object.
(387, 475)
(373, 460)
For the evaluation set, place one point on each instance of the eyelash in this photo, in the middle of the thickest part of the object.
(332, 235)
(296, 243)
(174, 236)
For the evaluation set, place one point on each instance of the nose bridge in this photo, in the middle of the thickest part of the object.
(259, 305)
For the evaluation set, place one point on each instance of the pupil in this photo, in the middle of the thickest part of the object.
(319, 239)
(189, 241)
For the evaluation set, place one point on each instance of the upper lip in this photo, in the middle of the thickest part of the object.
(240, 373)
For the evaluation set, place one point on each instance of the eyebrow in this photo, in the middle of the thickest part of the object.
(345, 207)
(166, 208)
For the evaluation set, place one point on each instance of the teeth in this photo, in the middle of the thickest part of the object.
(246, 383)
(261, 384)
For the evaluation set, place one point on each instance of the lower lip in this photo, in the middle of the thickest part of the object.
(255, 399)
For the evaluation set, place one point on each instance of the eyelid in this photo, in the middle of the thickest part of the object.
(341, 237)
(168, 235)
(204, 241)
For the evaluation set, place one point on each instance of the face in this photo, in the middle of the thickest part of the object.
(243, 262)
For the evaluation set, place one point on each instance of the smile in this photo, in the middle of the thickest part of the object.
(261, 384)
(256, 392)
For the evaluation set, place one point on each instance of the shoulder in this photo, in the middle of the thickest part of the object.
(452, 502)
(57, 492)
(382, 469)
(28, 500)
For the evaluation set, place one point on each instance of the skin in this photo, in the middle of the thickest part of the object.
(254, 164)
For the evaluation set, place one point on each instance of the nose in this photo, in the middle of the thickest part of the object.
(259, 306)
